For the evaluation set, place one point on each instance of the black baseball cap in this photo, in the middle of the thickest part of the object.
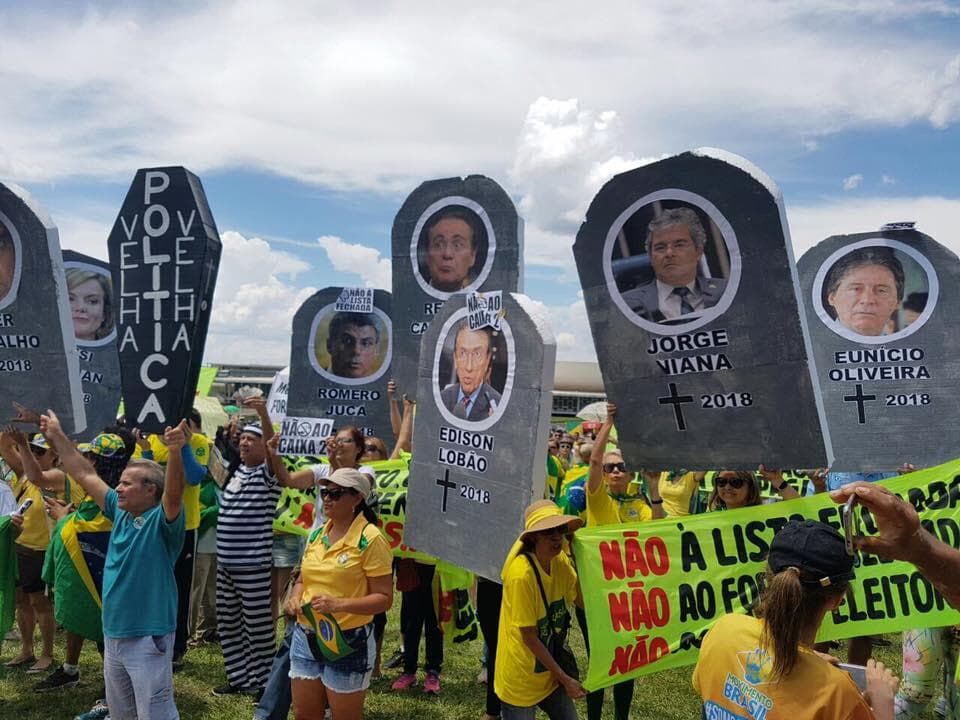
(815, 549)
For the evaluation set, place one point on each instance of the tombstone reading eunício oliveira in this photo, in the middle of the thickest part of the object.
(39, 364)
(340, 356)
(693, 302)
(164, 255)
(451, 235)
(92, 303)
(480, 437)
(882, 311)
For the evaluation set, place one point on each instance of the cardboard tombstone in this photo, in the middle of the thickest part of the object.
(882, 308)
(716, 374)
(164, 255)
(92, 303)
(39, 363)
(451, 235)
(277, 399)
(480, 438)
(340, 357)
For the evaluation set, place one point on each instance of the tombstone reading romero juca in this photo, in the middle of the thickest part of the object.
(164, 254)
(480, 437)
(882, 309)
(92, 303)
(451, 235)
(691, 293)
(39, 363)
(340, 355)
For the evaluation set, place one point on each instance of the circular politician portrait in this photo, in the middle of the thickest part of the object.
(452, 247)
(9, 262)
(90, 290)
(473, 372)
(671, 262)
(350, 348)
(875, 290)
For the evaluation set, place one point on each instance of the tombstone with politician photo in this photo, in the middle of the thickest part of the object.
(92, 303)
(450, 236)
(164, 255)
(39, 362)
(881, 309)
(688, 278)
(480, 437)
(340, 359)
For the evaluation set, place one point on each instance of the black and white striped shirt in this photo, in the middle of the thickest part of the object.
(245, 518)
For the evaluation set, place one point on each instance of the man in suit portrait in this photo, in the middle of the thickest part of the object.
(353, 344)
(471, 398)
(675, 242)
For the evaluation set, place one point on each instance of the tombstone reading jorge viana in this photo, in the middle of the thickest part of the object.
(882, 311)
(92, 305)
(486, 378)
(164, 255)
(451, 235)
(340, 357)
(692, 297)
(39, 364)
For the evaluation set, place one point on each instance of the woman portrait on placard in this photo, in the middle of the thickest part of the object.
(91, 303)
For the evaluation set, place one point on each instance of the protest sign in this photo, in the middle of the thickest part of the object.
(881, 308)
(340, 355)
(39, 362)
(277, 399)
(92, 302)
(451, 235)
(481, 429)
(690, 288)
(653, 589)
(304, 436)
(164, 254)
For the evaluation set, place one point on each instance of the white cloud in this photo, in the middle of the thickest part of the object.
(888, 180)
(361, 260)
(852, 182)
(571, 330)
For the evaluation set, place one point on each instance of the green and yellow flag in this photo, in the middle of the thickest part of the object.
(330, 638)
(8, 575)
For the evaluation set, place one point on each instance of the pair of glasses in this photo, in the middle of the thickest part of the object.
(736, 483)
(332, 493)
(610, 467)
(568, 446)
(342, 441)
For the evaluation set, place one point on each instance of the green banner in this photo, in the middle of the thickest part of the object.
(652, 590)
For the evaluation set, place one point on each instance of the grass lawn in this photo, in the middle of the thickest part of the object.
(664, 695)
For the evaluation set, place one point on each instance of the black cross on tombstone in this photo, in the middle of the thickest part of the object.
(446, 486)
(676, 401)
(859, 399)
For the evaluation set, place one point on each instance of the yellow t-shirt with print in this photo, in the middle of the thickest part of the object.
(520, 679)
(733, 678)
(200, 444)
(603, 509)
(676, 493)
(341, 569)
(36, 523)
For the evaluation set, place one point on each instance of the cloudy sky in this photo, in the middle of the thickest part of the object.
(309, 125)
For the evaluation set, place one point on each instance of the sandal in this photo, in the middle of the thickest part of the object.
(20, 661)
(40, 666)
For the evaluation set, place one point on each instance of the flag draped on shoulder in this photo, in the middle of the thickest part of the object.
(8, 575)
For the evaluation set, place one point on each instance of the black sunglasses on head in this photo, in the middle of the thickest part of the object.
(610, 467)
(736, 483)
(333, 493)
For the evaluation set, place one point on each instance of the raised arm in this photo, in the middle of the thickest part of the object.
(405, 437)
(52, 479)
(395, 421)
(260, 405)
(595, 477)
(775, 478)
(176, 441)
(277, 468)
(74, 464)
(9, 452)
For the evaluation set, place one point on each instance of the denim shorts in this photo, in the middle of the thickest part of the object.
(287, 550)
(346, 675)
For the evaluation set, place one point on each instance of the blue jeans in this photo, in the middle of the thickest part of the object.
(138, 673)
(276, 699)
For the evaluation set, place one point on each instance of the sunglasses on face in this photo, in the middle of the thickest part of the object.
(735, 483)
(610, 467)
(38, 451)
(550, 532)
(565, 445)
(333, 493)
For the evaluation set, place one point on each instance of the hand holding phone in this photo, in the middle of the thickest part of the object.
(24, 506)
(850, 525)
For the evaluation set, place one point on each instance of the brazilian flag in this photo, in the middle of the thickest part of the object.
(330, 638)
(74, 567)
(8, 575)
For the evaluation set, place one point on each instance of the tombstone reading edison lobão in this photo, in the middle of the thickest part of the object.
(480, 437)
(164, 255)
(340, 356)
(39, 363)
(691, 293)
(450, 235)
(92, 302)
(881, 308)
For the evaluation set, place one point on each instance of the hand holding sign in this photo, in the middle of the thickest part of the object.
(175, 438)
(141, 440)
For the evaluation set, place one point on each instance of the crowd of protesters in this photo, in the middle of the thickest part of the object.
(179, 550)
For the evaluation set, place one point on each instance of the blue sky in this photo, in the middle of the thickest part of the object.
(308, 126)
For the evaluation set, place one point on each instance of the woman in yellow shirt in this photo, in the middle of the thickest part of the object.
(345, 580)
